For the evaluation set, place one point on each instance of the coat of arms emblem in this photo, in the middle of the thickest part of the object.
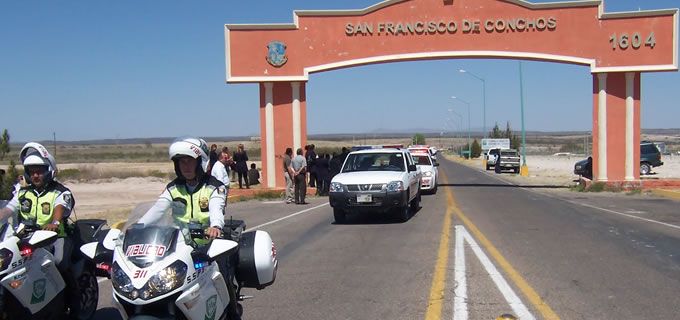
(276, 53)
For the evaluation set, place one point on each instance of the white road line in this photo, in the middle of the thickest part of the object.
(621, 213)
(513, 300)
(460, 311)
(286, 217)
(588, 205)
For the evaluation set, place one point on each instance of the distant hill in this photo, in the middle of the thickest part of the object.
(378, 133)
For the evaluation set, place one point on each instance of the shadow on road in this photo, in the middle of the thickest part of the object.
(501, 185)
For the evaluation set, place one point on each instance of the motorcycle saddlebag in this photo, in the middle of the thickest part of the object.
(257, 263)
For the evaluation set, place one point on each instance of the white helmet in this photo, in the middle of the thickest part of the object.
(35, 154)
(192, 147)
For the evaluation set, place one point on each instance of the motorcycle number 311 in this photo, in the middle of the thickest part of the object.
(624, 40)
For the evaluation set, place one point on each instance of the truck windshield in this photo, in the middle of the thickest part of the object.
(374, 162)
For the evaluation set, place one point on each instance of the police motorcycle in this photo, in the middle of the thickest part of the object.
(167, 270)
(31, 285)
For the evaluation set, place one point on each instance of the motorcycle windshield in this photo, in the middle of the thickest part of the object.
(144, 244)
(148, 244)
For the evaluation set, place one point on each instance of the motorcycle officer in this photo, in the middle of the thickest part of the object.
(203, 195)
(46, 203)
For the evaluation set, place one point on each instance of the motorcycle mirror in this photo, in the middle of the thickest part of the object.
(42, 238)
(110, 240)
(221, 246)
(89, 249)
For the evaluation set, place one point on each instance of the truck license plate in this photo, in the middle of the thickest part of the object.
(364, 198)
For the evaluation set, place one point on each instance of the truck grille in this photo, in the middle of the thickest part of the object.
(365, 187)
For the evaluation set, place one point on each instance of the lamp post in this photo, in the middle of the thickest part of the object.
(468, 139)
(460, 123)
(524, 170)
(483, 95)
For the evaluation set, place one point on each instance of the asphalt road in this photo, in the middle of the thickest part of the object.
(551, 252)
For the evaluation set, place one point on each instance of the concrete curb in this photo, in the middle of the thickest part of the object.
(671, 194)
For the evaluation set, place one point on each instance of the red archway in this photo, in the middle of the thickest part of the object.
(617, 47)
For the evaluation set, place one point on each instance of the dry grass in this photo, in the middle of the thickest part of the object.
(91, 172)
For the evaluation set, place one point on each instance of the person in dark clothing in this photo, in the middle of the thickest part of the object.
(323, 174)
(497, 167)
(337, 161)
(253, 175)
(240, 158)
(310, 156)
(213, 156)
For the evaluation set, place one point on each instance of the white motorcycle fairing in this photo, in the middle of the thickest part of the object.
(32, 276)
(200, 293)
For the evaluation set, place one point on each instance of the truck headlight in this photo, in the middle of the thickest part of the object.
(395, 186)
(337, 187)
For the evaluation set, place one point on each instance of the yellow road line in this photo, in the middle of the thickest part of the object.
(436, 300)
(519, 281)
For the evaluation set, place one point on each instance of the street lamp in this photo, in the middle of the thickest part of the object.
(468, 139)
(483, 95)
(460, 124)
(524, 169)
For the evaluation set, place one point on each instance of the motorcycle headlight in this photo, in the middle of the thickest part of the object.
(395, 186)
(5, 258)
(121, 282)
(427, 173)
(168, 279)
(337, 187)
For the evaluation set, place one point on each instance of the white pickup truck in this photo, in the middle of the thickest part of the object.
(376, 180)
(510, 159)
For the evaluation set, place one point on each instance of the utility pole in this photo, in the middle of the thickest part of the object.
(524, 170)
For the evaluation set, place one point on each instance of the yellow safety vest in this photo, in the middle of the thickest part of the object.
(40, 207)
(196, 202)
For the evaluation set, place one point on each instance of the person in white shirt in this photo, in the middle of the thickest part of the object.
(219, 171)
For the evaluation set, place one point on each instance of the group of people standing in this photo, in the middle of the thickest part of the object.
(226, 167)
(308, 167)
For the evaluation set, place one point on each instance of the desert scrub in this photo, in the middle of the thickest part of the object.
(90, 172)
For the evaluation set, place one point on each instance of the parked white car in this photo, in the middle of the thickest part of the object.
(376, 180)
(429, 169)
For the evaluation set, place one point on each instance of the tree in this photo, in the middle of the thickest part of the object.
(7, 182)
(418, 138)
(515, 142)
(476, 149)
(4, 144)
(508, 131)
(495, 132)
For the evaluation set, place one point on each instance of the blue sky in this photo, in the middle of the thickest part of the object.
(129, 69)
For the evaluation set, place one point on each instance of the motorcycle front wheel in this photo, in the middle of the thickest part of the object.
(86, 289)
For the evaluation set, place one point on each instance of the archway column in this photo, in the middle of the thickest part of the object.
(283, 124)
(616, 127)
